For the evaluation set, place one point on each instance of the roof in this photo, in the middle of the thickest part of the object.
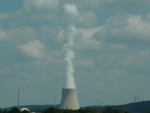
(22, 109)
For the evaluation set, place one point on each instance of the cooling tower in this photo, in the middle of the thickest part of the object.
(69, 99)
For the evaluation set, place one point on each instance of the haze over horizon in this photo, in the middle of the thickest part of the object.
(112, 51)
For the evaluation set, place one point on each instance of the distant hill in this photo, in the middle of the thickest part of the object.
(140, 107)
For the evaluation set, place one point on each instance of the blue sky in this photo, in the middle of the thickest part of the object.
(112, 55)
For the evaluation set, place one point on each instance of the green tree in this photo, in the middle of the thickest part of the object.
(4, 111)
(147, 112)
(125, 111)
(52, 110)
(0, 110)
(89, 110)
(15, 110)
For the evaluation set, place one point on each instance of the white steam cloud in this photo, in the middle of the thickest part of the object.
(71, 33)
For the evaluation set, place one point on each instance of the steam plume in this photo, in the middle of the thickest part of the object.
(71, 33)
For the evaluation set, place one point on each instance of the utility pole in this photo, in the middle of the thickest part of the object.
(137, 98)
(18, 98)
(34, 106)
(54, 101)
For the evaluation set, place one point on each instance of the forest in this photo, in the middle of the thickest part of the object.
(55, 110)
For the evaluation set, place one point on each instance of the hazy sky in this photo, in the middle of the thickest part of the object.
(112, 51)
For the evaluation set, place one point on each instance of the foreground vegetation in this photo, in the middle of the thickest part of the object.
(81, 110)
(85, 110)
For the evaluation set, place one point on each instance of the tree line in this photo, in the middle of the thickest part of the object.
(81, 110)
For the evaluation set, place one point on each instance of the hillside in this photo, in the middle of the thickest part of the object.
(140, 107)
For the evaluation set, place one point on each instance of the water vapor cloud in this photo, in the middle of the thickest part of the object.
(71, 32)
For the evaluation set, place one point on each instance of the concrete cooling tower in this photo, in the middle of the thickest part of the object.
(69, 99)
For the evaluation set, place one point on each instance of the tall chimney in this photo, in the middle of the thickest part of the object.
(69, 99)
